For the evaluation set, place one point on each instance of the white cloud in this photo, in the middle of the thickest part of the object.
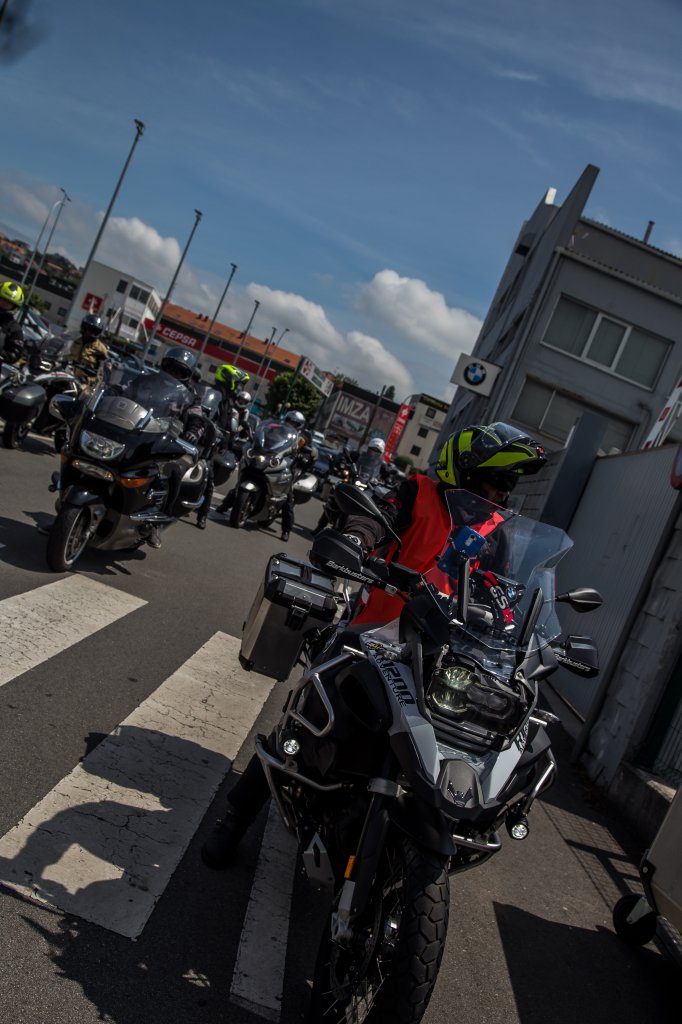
(354, 353)
(409, 306)
(130, 243)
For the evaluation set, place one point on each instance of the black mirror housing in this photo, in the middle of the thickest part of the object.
(582, 599)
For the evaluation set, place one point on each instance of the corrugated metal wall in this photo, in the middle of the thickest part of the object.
(626, 509)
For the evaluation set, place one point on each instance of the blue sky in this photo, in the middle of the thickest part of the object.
(367, 164)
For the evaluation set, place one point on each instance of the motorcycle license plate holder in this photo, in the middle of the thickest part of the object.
(293, 599)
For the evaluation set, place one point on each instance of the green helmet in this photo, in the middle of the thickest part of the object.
(497, 448)
(231, 377)
(11, 292)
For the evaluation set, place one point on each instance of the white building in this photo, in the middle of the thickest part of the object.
(419, 435)
(128, 305)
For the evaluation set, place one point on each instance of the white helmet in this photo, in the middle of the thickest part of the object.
(295, 419)
(242, 399)
(377, 444)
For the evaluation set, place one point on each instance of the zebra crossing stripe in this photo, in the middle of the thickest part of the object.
(40, 623)
(258, 978)
(104, 843)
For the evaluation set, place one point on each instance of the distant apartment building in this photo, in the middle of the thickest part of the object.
(425, 419)
(127, 305)
(585, 319)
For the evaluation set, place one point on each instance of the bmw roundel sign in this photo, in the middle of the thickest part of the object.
(475, 374)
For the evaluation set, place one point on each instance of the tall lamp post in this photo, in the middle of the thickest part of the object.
(139, 129)
(272, 344)
(246, 331)
(217, 310)
(150, 337)
(60, 204)
(36, 247)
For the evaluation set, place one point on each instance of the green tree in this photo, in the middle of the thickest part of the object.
(304, 396)
(389, 393)
(343, 378)
(403, 462)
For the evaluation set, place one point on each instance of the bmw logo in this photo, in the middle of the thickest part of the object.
(475, 373)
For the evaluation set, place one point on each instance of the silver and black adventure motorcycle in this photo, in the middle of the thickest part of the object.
(267, 473)
(26, 393)
(125, 468)
(404, 749)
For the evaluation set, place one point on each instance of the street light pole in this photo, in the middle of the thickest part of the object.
(150, 337)
(139, 129)
(217, 310)
(264, 374)
(62, 201)
(36, 247)
(245, 332)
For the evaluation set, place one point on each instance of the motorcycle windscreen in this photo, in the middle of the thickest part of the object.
(152, 397)
(273, 436)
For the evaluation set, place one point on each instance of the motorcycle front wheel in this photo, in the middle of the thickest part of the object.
(241, 508)
(68, 537)
(388, 971)
(14, 434)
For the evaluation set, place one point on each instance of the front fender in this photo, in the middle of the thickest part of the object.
(78, 496)
(422, 823)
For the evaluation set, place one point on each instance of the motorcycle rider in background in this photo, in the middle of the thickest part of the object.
(209, 401)
(88, 352)
(305, 457)
(238, 412)
(229, 380)
(487, 460)
(11, 334)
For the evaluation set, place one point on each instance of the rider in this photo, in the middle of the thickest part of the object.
(239, 429)
(180, 363)
(369, 465)
(88, 351)
(305, 456)
(11, 333)
(229, 380)
(210, 407)
(487, 460)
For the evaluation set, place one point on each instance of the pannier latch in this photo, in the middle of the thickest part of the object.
(298, 613)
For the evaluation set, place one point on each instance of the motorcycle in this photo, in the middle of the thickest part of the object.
(404, 749)
(26, 393)
(268, 471)
(125, 468)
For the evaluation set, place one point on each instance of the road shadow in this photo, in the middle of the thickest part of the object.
(34, 445)
(563, 974)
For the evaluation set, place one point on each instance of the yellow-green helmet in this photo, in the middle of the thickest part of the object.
(497, 448)
(231, 377)
(12, 293)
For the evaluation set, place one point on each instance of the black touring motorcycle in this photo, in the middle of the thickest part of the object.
(404, 749)
(125, 468)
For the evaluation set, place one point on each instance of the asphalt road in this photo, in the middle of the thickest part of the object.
(530, 935)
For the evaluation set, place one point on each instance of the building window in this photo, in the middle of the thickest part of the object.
(122, 285)
(47, 305)
(415, 450)
(549, 412)
(423, 432)
(609, 344)
(430, 413)
(132, 322)
(61, 311)
(144, 296)
(154, 306)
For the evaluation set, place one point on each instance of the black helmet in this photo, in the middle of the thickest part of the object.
(210, 402)
(497, 451)
(92, 326)
(180, 363)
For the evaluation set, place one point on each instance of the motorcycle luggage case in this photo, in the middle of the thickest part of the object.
(21, 403)
(293, 599)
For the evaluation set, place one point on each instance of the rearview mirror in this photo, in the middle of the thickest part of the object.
(582, 599)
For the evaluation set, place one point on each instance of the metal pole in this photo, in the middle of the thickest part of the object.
(139, 129)
(245, 332)
(197, 217)
(275, 344)
(297, 373)
(36, 247)
(217, 310)
(62, 201)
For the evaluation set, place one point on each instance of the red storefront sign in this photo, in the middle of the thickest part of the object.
(245, 362)
(402, 416)
(92, 303)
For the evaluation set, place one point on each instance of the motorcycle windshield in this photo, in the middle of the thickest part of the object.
(511, 562)
(273, 436)
(151, 400)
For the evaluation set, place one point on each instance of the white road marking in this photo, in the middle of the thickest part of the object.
(104, 843)
(40, 623)
(258, 979)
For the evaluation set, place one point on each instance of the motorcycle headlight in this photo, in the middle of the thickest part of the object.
(275, 460)
(99, 447)
(447, 692)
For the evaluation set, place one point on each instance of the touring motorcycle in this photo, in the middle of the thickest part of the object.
(26, 393)
(268, 470)
(404, 749)
(125, 468)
